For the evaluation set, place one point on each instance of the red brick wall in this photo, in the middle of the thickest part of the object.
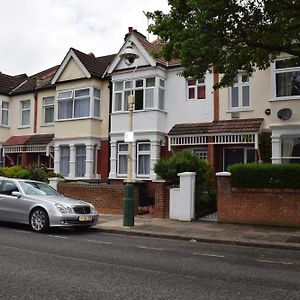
(106, 198)
(162, 200)
(257, 206)
(103, 159)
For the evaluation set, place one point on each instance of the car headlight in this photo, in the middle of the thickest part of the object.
(93, 209)
(62, 209)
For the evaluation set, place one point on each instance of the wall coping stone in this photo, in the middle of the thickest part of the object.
(223, 174)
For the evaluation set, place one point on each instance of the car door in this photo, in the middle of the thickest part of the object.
(11, 207)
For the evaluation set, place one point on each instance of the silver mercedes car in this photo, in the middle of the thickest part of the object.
(39, 205)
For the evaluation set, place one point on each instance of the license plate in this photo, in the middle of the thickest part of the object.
(85, 218)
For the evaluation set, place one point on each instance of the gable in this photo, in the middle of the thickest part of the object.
(145, 59)
(71, 71)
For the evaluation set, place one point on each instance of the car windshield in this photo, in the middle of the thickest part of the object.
(38, 188)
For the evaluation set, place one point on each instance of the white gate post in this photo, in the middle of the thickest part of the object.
(182, 200)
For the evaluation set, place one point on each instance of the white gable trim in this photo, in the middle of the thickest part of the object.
(60, 70)
(141, 51)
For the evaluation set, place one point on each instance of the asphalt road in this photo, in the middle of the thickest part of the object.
(65, 264)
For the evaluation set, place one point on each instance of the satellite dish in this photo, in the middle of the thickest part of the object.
(284, 114)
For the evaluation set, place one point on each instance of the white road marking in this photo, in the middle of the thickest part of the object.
(275, 262)
(99, 242)
(207, 254)
(58, 236)
(150, 248)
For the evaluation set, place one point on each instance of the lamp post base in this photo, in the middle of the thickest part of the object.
(128, 220)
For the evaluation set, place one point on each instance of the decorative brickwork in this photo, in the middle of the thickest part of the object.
(257, 206)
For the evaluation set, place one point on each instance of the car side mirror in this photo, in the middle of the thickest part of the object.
(16, 194)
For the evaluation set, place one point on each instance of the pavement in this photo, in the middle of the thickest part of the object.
(204, 231)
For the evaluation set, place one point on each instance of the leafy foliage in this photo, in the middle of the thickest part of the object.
(186, 161)
(265, 176)
(229, 35)
(33, 172)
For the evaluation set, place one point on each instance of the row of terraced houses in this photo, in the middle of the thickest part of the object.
(72, 117)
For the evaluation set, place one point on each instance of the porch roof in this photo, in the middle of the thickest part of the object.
(36, 139)
(215, 127)
(17, 140)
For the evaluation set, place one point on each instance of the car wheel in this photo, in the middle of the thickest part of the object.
(39, 220)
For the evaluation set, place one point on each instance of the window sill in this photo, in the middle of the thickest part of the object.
(78, 119)
(4, 126)
(287, 98)
(24, 127)
(139, 111)
(47, 125)
(239, 110)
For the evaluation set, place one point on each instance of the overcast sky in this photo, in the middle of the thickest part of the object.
(37, 34)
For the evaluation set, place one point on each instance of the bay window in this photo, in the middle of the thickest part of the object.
(240, 92)
(122, 159)
(78, 103)
(287, 77)
(148, 92)
(80, 166)
(65, 160)
(143, 159)
(290, 149)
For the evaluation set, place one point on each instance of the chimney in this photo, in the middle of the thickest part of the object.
(130, 29)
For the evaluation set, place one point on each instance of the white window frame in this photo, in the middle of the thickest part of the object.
(25, 110)
(240, 85)
(276, 71)
(143, 153)
(288, 157)
(73, 98)
(46, 107)
(64, 156)
(126, 89)
(200, 82)
(202, 153)
(77, 157)
(2, 111)
(121, 153)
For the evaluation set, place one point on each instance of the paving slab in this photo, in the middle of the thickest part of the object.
(248, 235)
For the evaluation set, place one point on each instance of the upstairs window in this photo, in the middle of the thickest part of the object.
(48, 106)
(240, 92)
(25, 113)
(287, 77)
(148, 92)
(196, 89)
(78, 103)
(4, 107)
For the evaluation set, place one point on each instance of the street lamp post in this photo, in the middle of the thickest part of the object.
(129, 56)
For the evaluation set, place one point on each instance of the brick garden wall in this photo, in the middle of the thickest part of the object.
(109, 198)
(257, 206)
(105, 197)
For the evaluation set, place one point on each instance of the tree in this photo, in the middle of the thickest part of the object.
(229, 35)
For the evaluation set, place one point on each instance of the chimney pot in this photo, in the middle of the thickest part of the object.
(130, 29)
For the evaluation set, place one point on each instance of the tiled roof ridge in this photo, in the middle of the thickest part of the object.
(152, 47)
(217, 126)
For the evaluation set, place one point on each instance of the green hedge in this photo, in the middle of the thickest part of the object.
(265, 176)
(33, 172)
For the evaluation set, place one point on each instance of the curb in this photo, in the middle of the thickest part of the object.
(292, 247)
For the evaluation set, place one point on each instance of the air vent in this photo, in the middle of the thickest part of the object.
(235, 115)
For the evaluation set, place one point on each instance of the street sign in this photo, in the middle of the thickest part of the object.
(128, 137)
